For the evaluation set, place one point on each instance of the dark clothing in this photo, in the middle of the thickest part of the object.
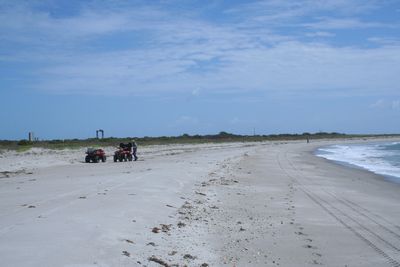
(134, 148)
(126, 146)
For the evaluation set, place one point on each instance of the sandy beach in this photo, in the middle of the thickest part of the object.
(233, 204)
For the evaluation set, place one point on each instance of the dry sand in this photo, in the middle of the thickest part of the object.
(240, 204)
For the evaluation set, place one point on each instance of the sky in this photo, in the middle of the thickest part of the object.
(166, 68)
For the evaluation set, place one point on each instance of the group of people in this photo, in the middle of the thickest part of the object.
(132, 146)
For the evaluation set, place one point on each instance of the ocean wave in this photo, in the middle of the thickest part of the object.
(380, 158)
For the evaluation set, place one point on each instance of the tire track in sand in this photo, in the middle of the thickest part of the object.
(367, 235)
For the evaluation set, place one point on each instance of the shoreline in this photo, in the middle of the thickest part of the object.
(386, 177)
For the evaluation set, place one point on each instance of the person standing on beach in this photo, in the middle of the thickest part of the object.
(134, 148)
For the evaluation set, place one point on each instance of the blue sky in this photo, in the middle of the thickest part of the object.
(153, 68)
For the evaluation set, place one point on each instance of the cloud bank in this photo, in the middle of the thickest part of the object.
(120, 48)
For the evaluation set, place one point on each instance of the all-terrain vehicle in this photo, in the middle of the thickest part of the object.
(124, 153)
(95, 155)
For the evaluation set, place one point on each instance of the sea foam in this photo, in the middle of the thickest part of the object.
(380, 158)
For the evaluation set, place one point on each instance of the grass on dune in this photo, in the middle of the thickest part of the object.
(222, 137)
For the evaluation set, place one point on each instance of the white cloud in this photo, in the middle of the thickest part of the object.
(289, 66)
(379, 104)
(386, 41)
(31, 26)
(386, 104)
(344, 23)
(180, 53)
(320, 34)
(284, 11)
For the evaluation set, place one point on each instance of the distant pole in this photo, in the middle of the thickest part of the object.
(254, 131)
(30, 137)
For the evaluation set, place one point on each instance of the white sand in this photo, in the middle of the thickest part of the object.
(252, 204)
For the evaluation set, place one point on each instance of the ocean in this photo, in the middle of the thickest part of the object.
(380, 158)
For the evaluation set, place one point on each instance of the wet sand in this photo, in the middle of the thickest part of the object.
(242, 204)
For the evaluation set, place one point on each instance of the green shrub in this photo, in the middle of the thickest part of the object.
(24, 142)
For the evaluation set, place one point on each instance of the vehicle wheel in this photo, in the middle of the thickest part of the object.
(87, 159)
(103, 159)
(121, 159)
(115, 158)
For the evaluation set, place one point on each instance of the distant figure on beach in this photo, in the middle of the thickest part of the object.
(134, 148)
(308, 140)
